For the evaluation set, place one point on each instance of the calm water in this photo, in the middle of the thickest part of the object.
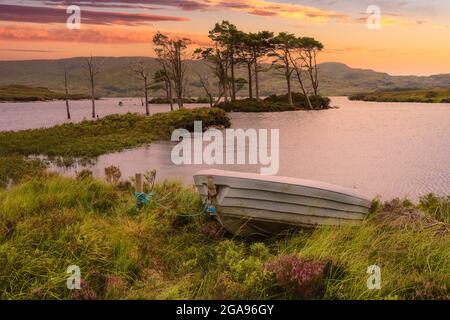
(386, 149)
(28, 115)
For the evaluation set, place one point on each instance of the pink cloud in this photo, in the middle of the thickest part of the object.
(15, 13)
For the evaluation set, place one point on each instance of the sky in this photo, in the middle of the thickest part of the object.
(413, 39)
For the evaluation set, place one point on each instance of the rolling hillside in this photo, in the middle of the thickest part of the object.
(116, 80)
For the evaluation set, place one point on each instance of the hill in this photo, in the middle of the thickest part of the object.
(116, 80)
(28, 93)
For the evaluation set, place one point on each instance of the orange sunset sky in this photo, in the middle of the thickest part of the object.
(414, 37)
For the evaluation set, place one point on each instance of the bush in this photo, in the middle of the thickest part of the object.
(318, 102)
(253, 105)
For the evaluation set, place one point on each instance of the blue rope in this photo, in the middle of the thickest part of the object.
(143, 199)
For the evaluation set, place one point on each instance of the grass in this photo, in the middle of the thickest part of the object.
(27, 93)
(166, 251)
(89, 139)
(427, 96)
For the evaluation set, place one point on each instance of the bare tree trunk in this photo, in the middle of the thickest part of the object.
(225, 89)
(233, 85)
(147, 111)
(93, 97)
(256, 81)
(303, 89)
(288, 80)
(170, 96)
(250, 84)
(67, 94)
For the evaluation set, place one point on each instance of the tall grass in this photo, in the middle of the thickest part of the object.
(166, 251)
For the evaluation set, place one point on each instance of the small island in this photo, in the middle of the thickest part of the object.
(277, 103)
(405, 95)
(23, 93)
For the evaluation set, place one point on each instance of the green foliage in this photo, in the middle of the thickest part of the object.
(253, 105)
(28, 93)
(318, 102)
(275, 103)
(90, 139)
(158, 252)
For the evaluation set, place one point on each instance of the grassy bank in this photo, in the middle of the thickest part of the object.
(90, 139)
(168, 251)
(426, 96)
(21, 93)
(275, 103)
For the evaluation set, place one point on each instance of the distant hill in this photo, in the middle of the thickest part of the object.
(28, 93)
(116, 80)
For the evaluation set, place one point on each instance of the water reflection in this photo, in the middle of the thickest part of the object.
(386, 149)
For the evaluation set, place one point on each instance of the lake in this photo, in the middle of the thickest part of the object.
(385, 149)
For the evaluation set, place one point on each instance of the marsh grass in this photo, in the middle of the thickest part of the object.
(83, 142)
(164, 251)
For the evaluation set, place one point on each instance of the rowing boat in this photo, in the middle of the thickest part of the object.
(248, 204)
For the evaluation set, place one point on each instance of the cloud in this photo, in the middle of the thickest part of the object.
(16, 13)
(253, 7)
(92, 34)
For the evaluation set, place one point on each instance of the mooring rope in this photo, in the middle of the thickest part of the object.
(143, 199)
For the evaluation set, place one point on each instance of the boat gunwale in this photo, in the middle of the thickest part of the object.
(275, 179)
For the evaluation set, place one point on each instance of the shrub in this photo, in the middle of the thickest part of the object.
(318, 102)
(304, 278)
(253, 105)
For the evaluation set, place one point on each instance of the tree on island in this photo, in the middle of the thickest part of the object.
(259, 44)
(93, 68)
(283, 44)
(66, 90)
(162, 81)
(139, 70)
(171, 54)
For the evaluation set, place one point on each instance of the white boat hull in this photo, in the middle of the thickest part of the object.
(250, 204)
